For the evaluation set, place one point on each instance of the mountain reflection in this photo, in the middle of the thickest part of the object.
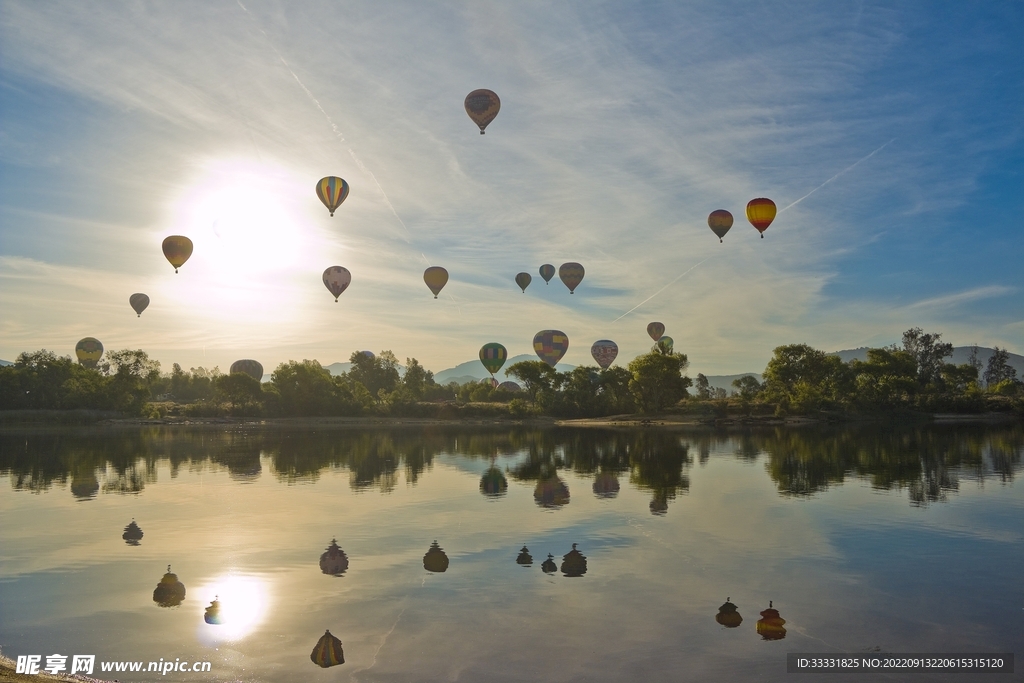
(927, 461)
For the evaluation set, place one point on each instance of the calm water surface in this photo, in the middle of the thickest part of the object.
(863, 539)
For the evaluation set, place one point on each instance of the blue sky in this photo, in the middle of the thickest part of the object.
(890, 135)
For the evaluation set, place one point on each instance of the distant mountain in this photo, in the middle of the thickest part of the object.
(473, 370)
(961, 354)
(6, 362)
(338, 368)
(725, 381)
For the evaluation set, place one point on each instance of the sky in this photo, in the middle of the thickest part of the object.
(890, 136)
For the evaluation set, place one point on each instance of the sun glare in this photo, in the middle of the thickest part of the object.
(242, 603)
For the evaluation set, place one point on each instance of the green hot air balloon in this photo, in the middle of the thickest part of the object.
(493, 356)
(664, 345)
(547, 271)
(523, 280)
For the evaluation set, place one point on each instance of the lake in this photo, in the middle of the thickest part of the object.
(700, 554)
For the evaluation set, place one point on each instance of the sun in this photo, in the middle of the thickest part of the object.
(243, 603)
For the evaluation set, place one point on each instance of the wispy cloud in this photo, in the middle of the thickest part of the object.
(975, 294)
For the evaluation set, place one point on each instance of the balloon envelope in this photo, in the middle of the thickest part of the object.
(720, 221)
(436, 277)
(510, 386)
(761, 213)
(138, 302)
(604, 352)
(337, 280)
(177, 249)
(482, 106)
(332, 191)
(551, 345)
(89, 350)
(328, 651)
(656, 330)
(523, 280)
(571, 275)
(493, 356)
(547, 271)
(664, 344)
(249, 367)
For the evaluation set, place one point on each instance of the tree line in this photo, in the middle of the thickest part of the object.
(797, 380)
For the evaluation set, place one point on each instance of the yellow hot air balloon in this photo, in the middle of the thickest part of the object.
(177, 249)
(571, 275)
(761, 212)
(328, 651)
(332, 191)
(436, 277)
(89, 350)
(482, 106)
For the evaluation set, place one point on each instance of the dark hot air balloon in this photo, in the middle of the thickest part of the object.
(547, 271)
(435, 560)
(510, 386)
(523, 280)
(550, 345)
(169, 592)
(334, 561)
(574, 563)
(761, 212)
(482, 106)
(655, 330)
(720, 221)
(336, 280)
(728, 616)
(247, 366)
(138, 302)
(604, 352)
(524, 558)
(332, 191)
(436, 277)
(132, 533)
(177, 249)
(571, 275)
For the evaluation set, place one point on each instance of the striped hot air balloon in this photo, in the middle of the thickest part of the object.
(550, 345)
(761, 212)
(332, 191)
(247, 366)
(547, 271)
(328, 651)
(571, 274)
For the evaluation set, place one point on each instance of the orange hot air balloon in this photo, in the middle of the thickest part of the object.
(177, 249)
(482, 106)
(761, 212)
(436, 277)
(656, 330)
(720, 221)
(771, 626)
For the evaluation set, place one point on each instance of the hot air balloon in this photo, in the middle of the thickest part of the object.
(655, 330)
(482, 106)
(771, 626)
(523, 280)
(177, 249)
(720, 221)
(664, 344)
(550, 345)
(728, 616)
(493, 356)
(547, 271)
(368, 354)
(89, 351)
(138, 302)
(337, 280)
(249, 367)
(213, 615)
(169, 592)
(761, 213)
(332, 191)
(571, 275)
(604, 352)
(510, 386)
(435, 560)
(328, 651)
(436, 277)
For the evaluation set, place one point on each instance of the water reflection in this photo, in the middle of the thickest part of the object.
(212, 614)
(328, 651)
(435, 560)
(132, 533)
(524, 558)
(574, 563)
(927, 462)
(334, 561)
(728, 616)
(548, 566)
(239, 604)
(170, 592)
(771, 626)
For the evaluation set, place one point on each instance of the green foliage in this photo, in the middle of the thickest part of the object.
(999, 369)
(804, 379)
(378, 374)
(243, 392)
(308, 389)
(747, 386)
(928, 352)
(657, 380)
(535, 376)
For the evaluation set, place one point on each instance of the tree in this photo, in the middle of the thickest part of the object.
(535, 375)
(748, 387)
(306, 388)
(657, 380)
(999, 368)
(242, 391)
(133, 373)
(703, 387)
(379, 374)
(416, 379)
(806, 378)
(887, 378)
(929, 353)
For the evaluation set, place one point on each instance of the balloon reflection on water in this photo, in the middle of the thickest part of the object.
(238, 605)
